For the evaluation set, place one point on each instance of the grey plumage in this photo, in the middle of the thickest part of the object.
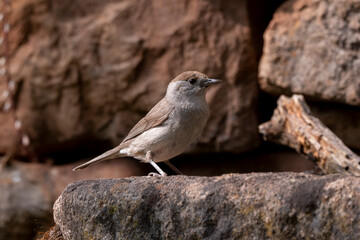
(170, 126)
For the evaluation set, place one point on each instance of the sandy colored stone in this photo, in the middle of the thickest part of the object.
(312, 47)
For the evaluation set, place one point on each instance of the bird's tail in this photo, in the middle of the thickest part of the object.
(111, 154)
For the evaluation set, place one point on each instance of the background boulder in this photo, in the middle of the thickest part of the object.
(312, 48)
(87, 71)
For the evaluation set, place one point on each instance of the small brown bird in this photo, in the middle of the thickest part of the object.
(171, 125)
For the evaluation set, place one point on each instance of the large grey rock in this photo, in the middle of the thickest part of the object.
(312, 47)
(248, 206)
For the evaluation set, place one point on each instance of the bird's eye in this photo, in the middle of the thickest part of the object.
(192, 81)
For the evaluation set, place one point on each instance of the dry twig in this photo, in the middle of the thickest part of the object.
(293, 125)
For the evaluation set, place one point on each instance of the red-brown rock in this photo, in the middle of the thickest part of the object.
(87, 71)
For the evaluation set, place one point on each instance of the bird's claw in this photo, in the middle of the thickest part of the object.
(153, 174)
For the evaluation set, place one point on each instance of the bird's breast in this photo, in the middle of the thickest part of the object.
(172, 137)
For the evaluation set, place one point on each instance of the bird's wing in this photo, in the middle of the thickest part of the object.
(155, 117)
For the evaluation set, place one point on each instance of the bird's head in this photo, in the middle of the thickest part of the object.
(190, 84)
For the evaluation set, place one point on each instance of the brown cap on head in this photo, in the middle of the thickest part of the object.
(189, 74)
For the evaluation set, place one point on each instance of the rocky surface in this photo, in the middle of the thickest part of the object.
(28, 191)
(87, 71)
(248, 206)
(312, 47)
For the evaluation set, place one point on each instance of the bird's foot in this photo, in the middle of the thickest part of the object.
(153, 174)
(149, 159)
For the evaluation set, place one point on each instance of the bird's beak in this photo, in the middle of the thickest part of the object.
(209, 81)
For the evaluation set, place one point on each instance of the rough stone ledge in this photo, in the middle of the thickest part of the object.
(233, 206)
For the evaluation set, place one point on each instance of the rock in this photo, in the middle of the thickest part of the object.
(312, 47)
(28, 192)
(87, 71)
(248, 206)
(25, 200)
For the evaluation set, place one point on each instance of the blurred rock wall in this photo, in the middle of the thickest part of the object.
(87, 71)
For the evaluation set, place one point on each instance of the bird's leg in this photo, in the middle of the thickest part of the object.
(149, 160)
(173, 167)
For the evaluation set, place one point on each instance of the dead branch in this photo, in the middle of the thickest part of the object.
(293, 125)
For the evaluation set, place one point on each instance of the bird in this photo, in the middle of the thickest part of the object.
(169, 127)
